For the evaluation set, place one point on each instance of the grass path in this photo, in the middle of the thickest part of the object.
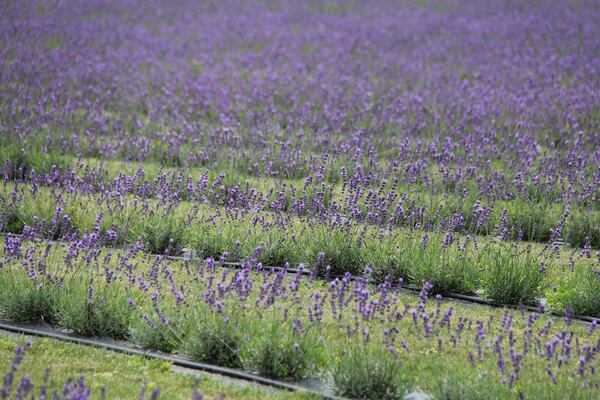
(122, 375)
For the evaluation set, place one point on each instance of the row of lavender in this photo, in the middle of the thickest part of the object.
(508, 273)
(360, 197)
(366, 341)
(450, 115)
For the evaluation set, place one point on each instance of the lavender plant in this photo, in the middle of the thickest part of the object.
(281, 350)
(369, 371)
(90, 309)
(580, 293)
(448, 265)
(24, 298)
(216, 338)
(514, 276)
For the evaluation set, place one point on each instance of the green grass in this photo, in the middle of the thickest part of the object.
(122, 375)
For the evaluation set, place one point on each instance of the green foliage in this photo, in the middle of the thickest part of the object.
(23, 299)
(512, 276)
(10, 220)
(532, 221)
(157, 328)
(452, 268)
(368, 371)
(213, 240)
(278, 351)
(342, 251)
(583, 227)
(278, 248)
(381, 254)
(17, 162)
(105, 313)
(215, 338)
(458, 385)
(123, 375)
(162, 233)
(580, 290)
(16, 216)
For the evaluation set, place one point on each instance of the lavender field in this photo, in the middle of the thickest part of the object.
(299, 190)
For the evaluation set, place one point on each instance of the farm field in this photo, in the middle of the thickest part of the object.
(381, 198)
